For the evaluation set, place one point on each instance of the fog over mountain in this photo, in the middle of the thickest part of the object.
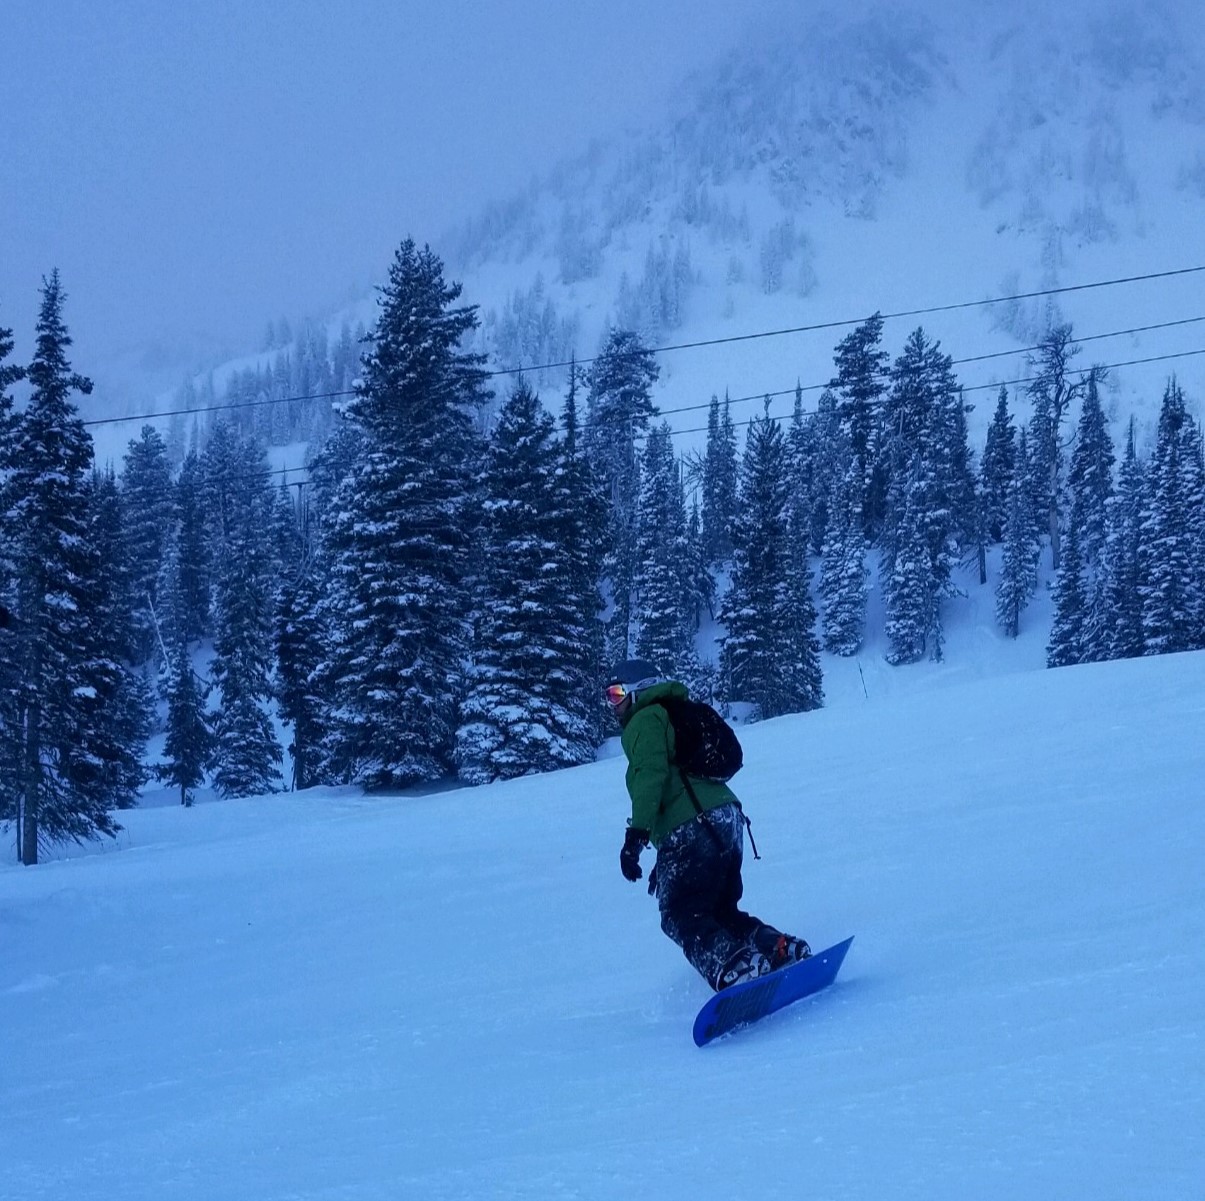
(819, 162)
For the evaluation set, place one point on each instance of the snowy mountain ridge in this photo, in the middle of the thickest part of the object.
(861, 159)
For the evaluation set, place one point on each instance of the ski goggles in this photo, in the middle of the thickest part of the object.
(617, 694)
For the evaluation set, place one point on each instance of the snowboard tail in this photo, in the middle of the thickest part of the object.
(755, 999)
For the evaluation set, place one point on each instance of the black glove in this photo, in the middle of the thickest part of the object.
(634, 841)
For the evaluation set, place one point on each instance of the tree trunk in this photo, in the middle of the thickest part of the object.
(27, 832)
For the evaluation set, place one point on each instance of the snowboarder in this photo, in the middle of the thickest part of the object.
(697, 877)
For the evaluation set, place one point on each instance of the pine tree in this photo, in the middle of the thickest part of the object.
(48, 512)
(798, 620)
(188, 748)
(1051, 393)
(529, 703)
(1117, 615)
(396, 533)
(1019, 568)
(10, 742)
(760, 653)
(1194, 498)
(582, 537)
(997, 468)
(663, 619)
(843, 574)
(913, 434)
(720, 476)
(700, 583)
(301, 641)
(147, 498)
(966, 512)
(246, 752)
(619, 407)
(1069, 634)
(859, 386)
(825, 472)
(186, 574)
(1090, 478)
(911, 600)
(116, 713)
(930, 500)
(1169, 545)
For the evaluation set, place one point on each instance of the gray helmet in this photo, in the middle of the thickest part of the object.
(635, 675)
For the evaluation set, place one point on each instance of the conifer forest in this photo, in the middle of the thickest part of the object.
(439, 597)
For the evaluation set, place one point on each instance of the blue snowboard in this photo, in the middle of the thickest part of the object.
(744, 1003)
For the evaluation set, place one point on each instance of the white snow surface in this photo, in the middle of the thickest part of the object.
(455, 994)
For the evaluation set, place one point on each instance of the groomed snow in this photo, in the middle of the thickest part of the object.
(456, 995)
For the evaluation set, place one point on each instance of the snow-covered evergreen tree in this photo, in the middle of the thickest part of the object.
(185, 575)
(301, 638)
(859, 385)
(1051, 393)
(246, 752)
(843, 574)
(1019, 567)
(1169, 545)
(720, 476)
(530, 700)
(619, 407)
(1117, 630)
(1194, 496)
(1090, 478)
(700, 583)
(301, 642)
(10, 742)
(762, 650)
(664, 616)
(930, 500)
(529, 332)
(825, 470)
(1069, 634)
(147, 497)
(116, 713)
(188, 748)
(801, 642)
(655, 305)
(997, 467)
(47, 508)
(396, 533)
(582, 537)
(911, 599)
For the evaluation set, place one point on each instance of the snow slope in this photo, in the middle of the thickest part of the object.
(455, 995)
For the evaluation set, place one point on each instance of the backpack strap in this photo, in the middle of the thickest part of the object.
(690, 792)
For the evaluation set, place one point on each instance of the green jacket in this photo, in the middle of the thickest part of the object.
(660, 802)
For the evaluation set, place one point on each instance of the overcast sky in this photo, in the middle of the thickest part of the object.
(196, 168)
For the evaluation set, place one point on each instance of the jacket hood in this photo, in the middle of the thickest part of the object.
(660, 692)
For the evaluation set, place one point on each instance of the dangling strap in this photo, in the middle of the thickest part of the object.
(749, 827)
(694, 800)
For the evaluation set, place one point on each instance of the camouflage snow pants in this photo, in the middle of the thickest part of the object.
(698, 887)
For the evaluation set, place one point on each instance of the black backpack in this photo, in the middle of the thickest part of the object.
(706, 746)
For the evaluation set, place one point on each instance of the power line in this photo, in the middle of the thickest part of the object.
(772, 333)
(823, 325)
(1184, 354)
(999, 354)
(218, 408)
(1011, 383)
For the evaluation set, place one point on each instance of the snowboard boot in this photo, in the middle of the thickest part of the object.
(743, 966)
(788, 950)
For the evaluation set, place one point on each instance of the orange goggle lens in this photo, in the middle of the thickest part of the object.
(616, 693)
